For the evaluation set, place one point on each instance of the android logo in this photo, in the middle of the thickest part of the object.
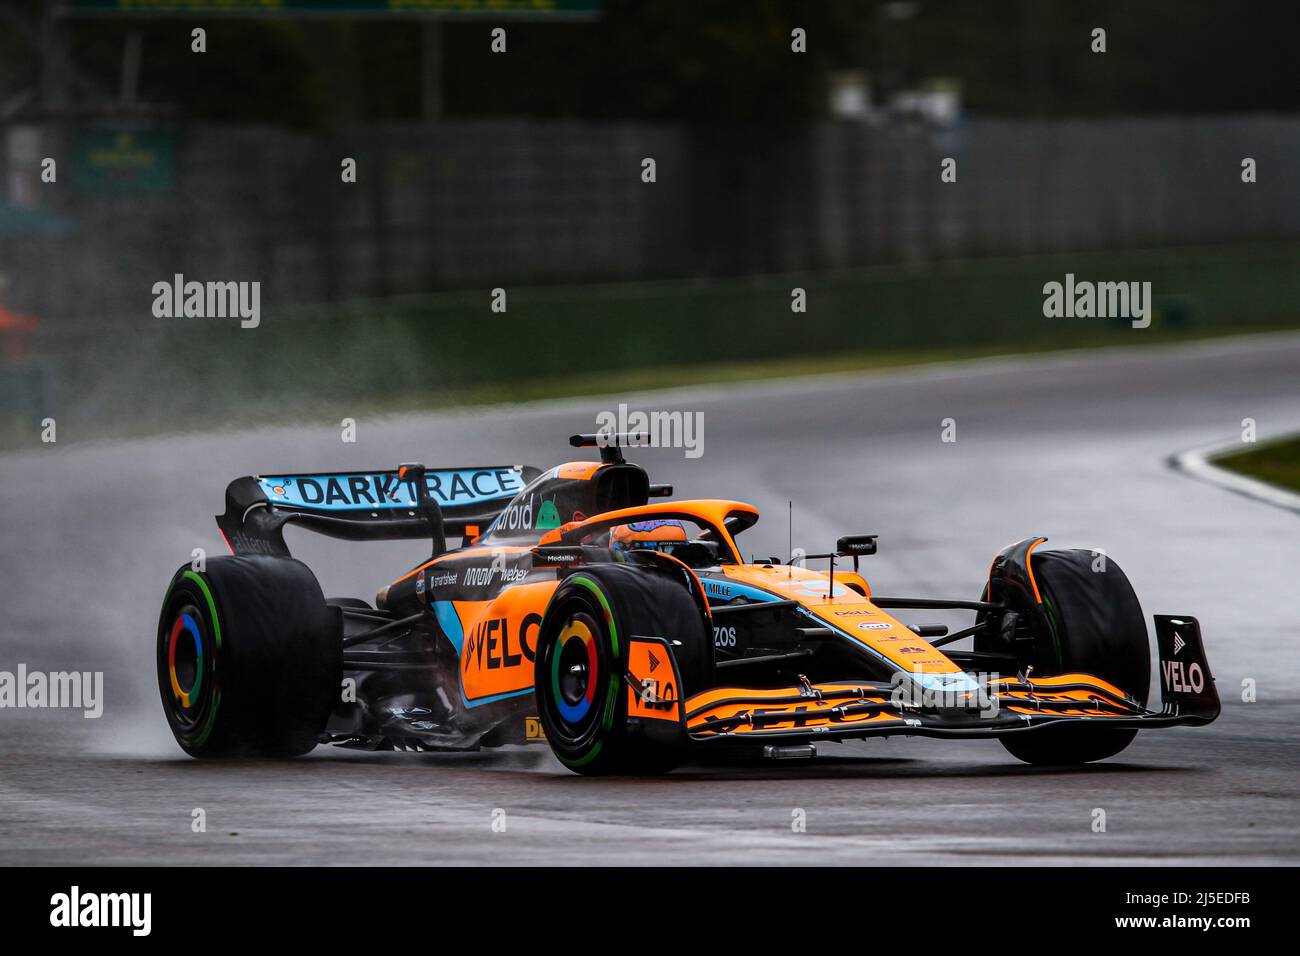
(548, 516)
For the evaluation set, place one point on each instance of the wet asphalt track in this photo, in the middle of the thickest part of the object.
(1070, 446)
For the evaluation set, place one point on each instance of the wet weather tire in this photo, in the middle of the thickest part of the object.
(582, 653)
(250, 658)
(1096, 627)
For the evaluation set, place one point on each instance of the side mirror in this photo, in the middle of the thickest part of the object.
(856, 545)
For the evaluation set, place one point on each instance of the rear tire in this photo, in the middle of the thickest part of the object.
(250, 658)
(1096, 626)
(582, 653)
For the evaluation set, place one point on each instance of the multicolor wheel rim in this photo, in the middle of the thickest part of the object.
(188, 656)
(185, 658)
(575, 670)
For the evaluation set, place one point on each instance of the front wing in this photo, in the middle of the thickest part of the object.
(857, 709)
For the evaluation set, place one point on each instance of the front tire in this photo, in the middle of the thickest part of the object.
(1095, 626)
(582, 654)
(249, 658)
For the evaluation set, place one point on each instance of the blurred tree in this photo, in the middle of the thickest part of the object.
(699, 60)
(707, 59)
(1017, 57)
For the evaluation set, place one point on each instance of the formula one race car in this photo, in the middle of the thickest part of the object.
(629, 634)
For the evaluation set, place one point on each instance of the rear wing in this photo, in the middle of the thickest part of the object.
(406, 502)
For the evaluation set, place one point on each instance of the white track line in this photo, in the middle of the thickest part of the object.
(1198, 463)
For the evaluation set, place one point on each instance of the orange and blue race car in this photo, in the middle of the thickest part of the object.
(584, 608)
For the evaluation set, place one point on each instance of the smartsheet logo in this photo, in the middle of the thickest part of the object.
(93, 910)
(208, 300)
(55, 690)
(1098, 300)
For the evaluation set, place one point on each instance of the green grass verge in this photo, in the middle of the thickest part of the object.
(1277, 463)
(130, 375)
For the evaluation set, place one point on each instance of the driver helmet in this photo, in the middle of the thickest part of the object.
(660, 534)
